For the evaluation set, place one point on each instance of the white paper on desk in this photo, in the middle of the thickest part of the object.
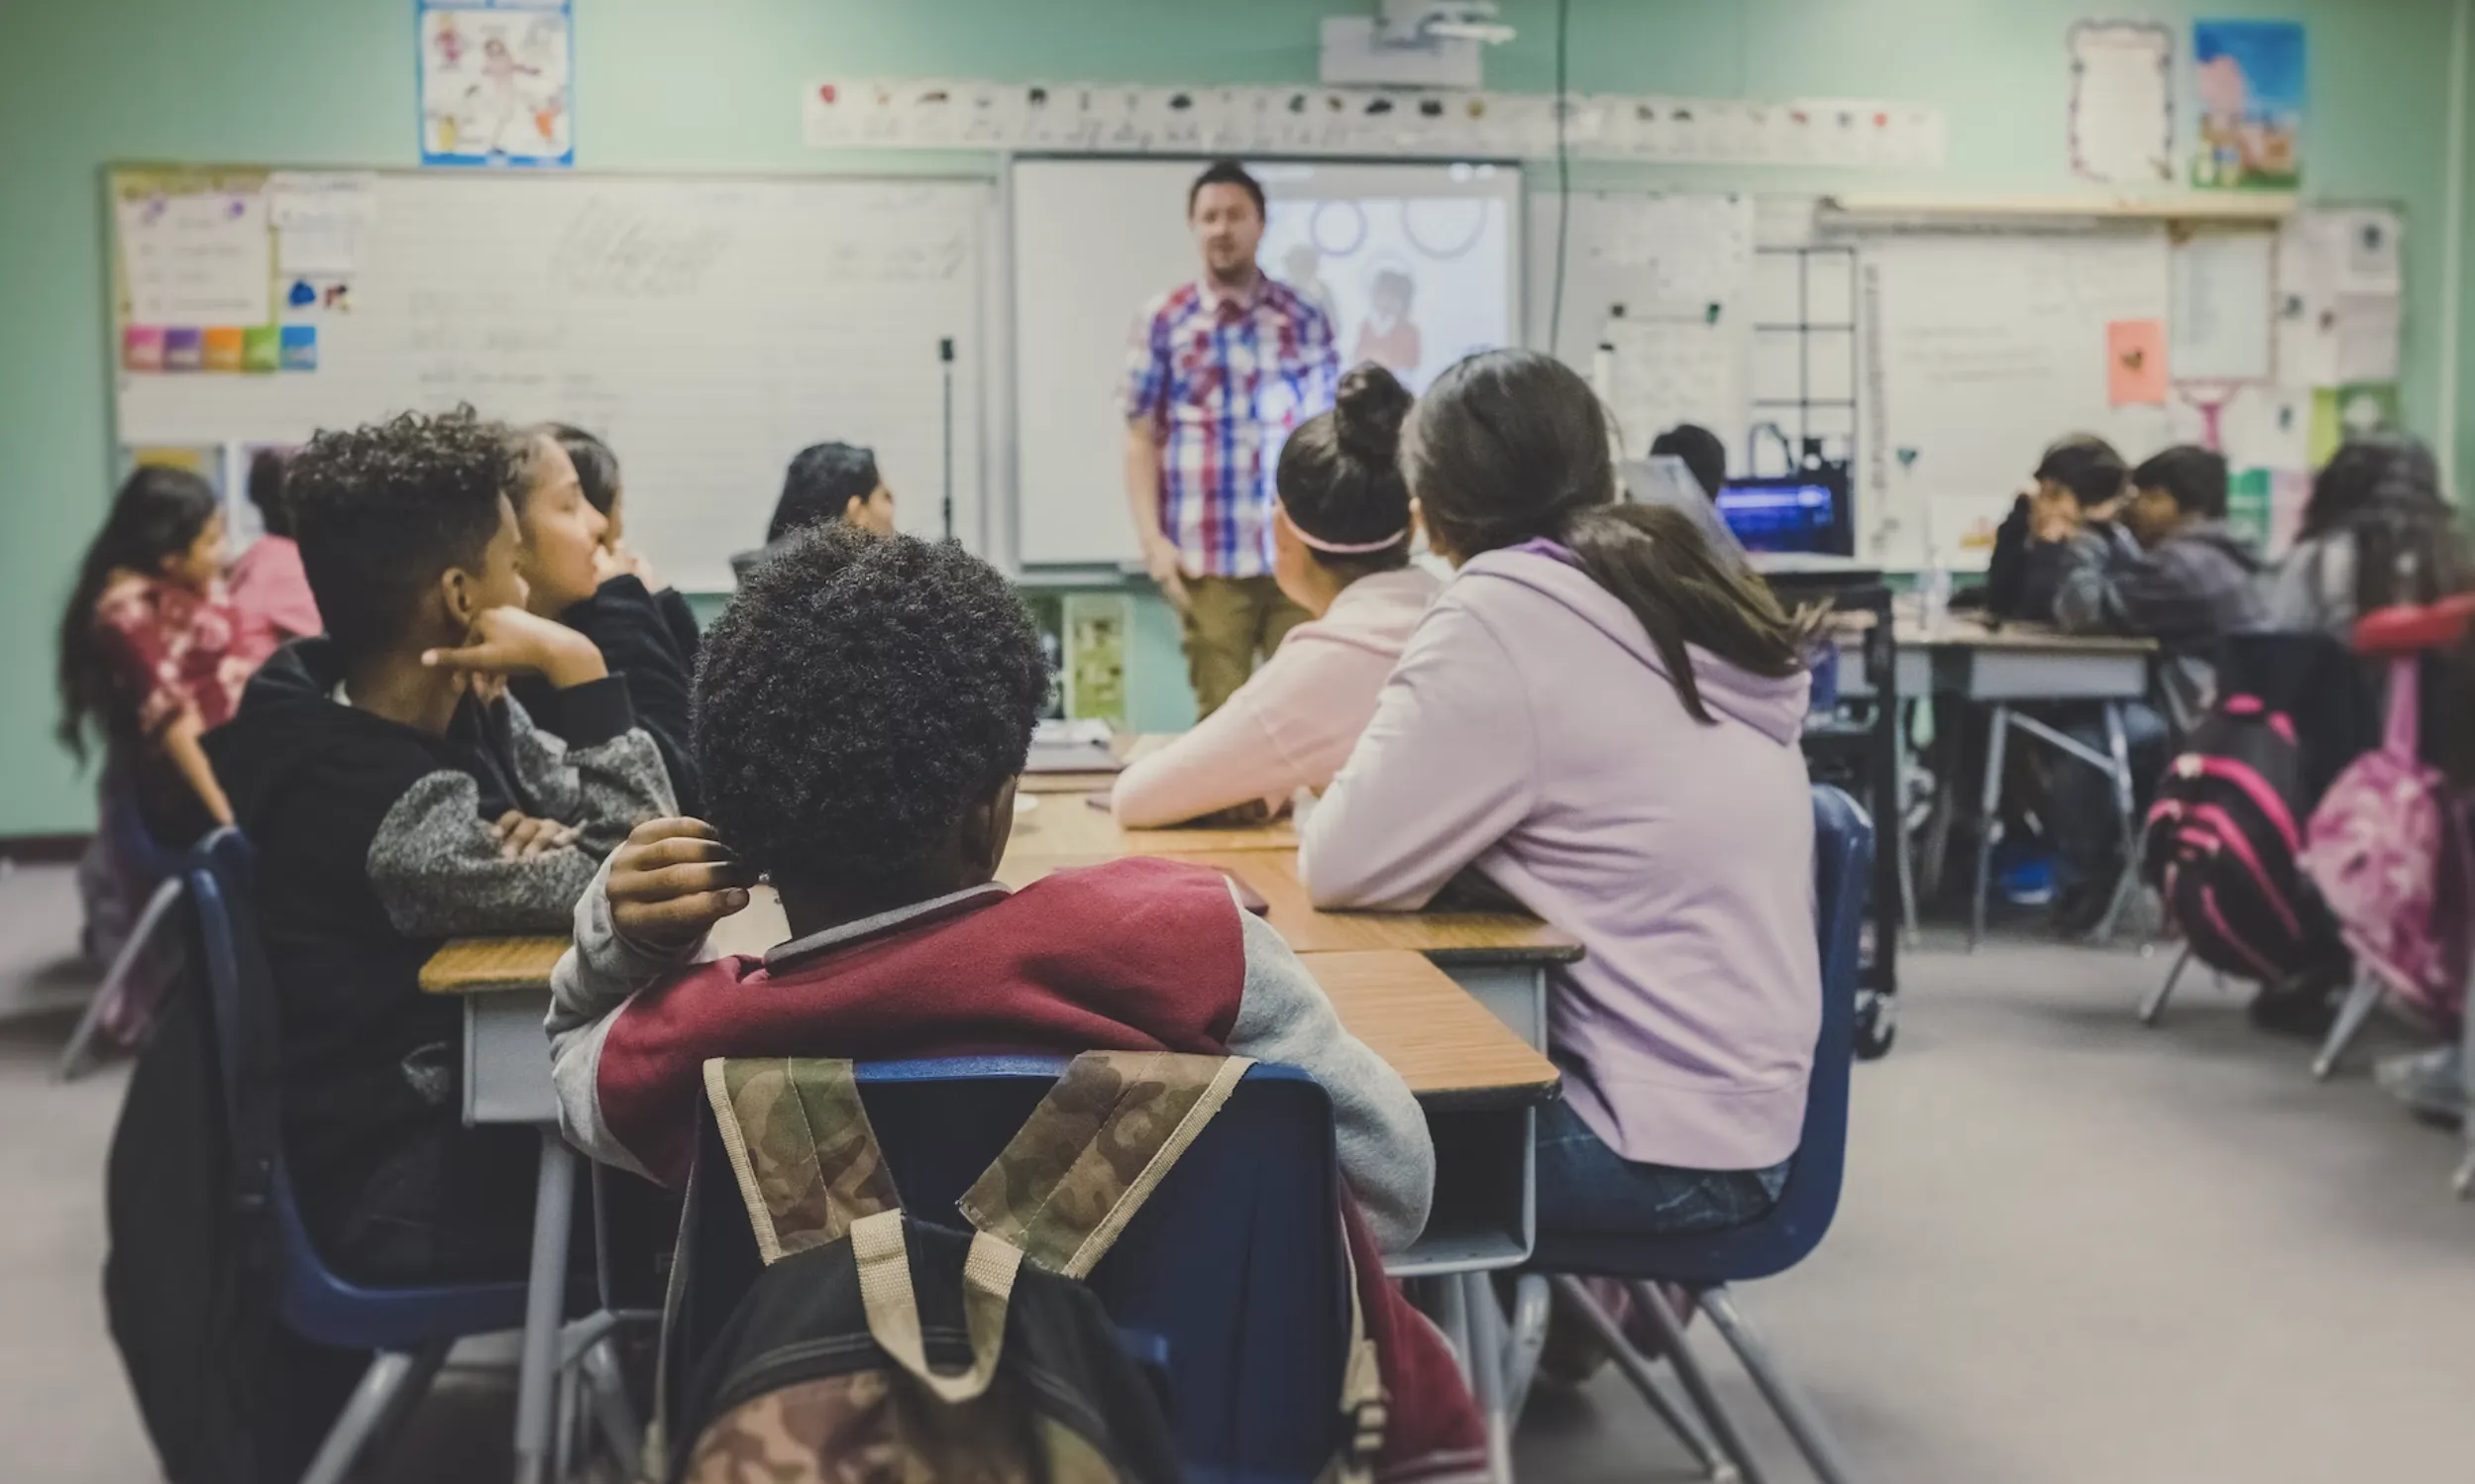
(2122, 102)
(2369, 328)
(2225, 298)
(197, 260)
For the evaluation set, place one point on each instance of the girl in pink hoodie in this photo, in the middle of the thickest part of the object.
(1600, 716)
(1341, 538)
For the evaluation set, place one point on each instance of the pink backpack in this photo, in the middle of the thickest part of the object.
(2388, 848)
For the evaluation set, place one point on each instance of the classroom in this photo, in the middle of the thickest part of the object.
(1406, 740)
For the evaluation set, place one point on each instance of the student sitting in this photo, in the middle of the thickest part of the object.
(862, 712)
(148, 661)
(270, 590)
(2376, 531)
(393, 805)
(2159, 563)
(2077, 472)
(597, 475)
(825, 482)
(1601, 716)
(571, 575)
(1341, 539)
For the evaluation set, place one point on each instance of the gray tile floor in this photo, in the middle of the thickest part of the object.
(2072, 1251)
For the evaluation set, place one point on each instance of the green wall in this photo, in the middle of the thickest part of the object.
(714, 86)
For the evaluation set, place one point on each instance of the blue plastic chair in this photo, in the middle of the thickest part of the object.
(128, 846)
(1230, 1280)
(1707, 1263)
(409, 1329)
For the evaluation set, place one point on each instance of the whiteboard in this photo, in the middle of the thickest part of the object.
(708, 329)
(1094, 240)
(1980, 348)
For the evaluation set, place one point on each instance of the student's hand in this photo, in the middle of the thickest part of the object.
(2053, 517)
(510, 641)
(521, 837)
(627, 559)
(1161, 560)
(672, 881)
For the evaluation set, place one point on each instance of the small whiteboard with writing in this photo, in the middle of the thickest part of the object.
(1984, 348)
(708, 329)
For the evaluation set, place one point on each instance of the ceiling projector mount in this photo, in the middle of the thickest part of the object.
(1413, 44)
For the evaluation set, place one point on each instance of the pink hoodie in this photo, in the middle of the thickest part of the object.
(1531, 731)
(1294, 722)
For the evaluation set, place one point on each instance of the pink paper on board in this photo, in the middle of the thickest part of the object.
(2135, 362)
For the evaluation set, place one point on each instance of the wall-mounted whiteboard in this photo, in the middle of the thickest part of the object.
(1980, 350)
(1094, 240)
(709, 329)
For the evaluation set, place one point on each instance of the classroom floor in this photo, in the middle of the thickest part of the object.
(2072, 1250)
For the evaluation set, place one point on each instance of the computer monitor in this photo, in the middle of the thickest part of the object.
(1805, 513)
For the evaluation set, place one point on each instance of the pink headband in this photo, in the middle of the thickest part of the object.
(1339, 548)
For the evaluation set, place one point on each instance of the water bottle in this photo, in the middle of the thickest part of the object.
(1933, 585)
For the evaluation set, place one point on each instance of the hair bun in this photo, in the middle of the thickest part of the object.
(1367, 412)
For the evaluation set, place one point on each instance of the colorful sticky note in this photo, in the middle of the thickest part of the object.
(222, 348)
(2135, 362)
(300, 295)
(261, 348)
(183, 350)
(300, 347)
(142, 347)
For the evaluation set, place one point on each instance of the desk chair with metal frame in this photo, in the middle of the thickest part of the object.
(2115, 763)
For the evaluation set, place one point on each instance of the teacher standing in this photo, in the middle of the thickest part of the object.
(1220, 371)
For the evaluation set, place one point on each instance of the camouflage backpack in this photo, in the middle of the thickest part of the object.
(877, 1347)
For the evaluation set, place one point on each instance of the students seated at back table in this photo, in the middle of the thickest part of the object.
(571, 577)
(2159, 563)
(2376, 531)
(2077, 472)
(149, 660)
(1602, 717)
(825, 482)
(862, 712)
(605, 489)
(393, 806)
(1340, 540)
(270, 590)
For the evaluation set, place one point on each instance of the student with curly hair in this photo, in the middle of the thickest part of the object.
(394, 803)
(862, 713)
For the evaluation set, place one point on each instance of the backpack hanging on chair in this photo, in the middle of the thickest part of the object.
(877, 1345)
(2388, 849)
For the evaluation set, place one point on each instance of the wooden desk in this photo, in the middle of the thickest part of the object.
(1073, 824)
(1127, 748)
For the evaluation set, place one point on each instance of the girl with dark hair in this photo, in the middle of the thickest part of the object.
(599, 480)
(2377, 531)
(1602, 716)
(270, 587)
(1340, 546)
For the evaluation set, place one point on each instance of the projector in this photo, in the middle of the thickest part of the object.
(1412, 44)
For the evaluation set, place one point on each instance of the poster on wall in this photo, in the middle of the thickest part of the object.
(498, 83)
(2122, 102)
(2250, 77)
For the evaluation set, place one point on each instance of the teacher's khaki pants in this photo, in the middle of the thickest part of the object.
(1230, 623)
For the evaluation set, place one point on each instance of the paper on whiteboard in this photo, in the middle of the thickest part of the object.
(2307, 304)
(322, 198)
(2122, 102)
(2224, 297)
(2369, 328)
(1678, 370)
(324, 251)
(197, 260)
(2362, 248)
(2255, 427)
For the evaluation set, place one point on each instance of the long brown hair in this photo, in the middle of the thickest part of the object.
(1511, 446)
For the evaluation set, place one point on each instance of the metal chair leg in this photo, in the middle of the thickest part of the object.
(606, 1390)
(372, 1400)
(2155, 1005)
(2118, 747)
(1796, 1414)
(1695, 1380)
(1738, 1461)
(1989, 822)
(1903, 844)
(426, 1364)
(78, 1057)
(2361, 1000)
(1526, 1337)
(1486, 1371)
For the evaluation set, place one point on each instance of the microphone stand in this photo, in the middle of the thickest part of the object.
(945, 354)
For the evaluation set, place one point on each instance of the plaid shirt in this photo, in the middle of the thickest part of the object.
(1222, 381)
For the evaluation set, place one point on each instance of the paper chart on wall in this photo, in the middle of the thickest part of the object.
(2224, 302)
(197, 257)
(496, 82)
(1686, 369)
(2122, 102)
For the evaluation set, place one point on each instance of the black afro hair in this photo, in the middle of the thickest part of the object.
(858, 698)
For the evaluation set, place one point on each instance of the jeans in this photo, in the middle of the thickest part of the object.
(2084, 823)
(1586, 1189)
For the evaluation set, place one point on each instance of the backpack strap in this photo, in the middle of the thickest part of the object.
(988, 1274)
(1094, 1150)
(2406, 717)
(803, 1149)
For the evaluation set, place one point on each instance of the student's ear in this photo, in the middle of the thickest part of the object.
(988, 828)
(459, 596)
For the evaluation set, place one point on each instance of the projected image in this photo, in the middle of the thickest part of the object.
(1412, 282)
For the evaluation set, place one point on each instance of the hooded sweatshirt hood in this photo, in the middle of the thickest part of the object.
(1774, 708)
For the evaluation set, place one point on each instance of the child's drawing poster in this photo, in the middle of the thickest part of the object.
(2249, 76)
(498, 83)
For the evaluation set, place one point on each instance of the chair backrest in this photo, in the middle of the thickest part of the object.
(1843, 861)
(317, 1305)
(1232, 1274)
